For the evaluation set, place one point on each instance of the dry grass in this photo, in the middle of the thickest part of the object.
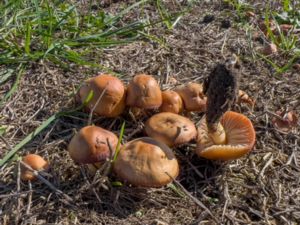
(261, 188)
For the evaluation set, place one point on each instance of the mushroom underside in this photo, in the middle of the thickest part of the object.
(240, 138)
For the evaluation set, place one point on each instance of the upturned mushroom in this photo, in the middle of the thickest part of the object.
(109, 95)
(171, 102)
(170, 128)
(36, 162)
(192, 96)
(144, 92)
(90, 145)
(223, 134)
(146, 162)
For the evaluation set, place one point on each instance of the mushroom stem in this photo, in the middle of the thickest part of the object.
(217, 133)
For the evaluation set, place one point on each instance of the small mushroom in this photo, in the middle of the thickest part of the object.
(90, 145)
(171, 102)
(223, 134)
(192, 96)
(112, 102)
(36, 162)
(144, 92)
(170, 128)
(240, 138)
(146, 162)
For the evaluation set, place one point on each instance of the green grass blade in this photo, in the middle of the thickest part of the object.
(44, 125)
(114, 19)
(5, 75)
(119, 141)
(28, 139)
(28, 38)
(15, 85)
(286, 5)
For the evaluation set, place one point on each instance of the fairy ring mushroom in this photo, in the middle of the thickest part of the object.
(192, 96)
(90, 145)
(171, 102)
(144, 92)
(34, 161)
(145, 162)
(109, 95)
(170, 128)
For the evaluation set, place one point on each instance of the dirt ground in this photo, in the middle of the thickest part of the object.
(260, 188)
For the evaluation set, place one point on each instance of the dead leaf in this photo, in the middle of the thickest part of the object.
(285, 120)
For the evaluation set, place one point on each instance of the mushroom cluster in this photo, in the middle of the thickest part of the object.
(110, 96)
(149, 161)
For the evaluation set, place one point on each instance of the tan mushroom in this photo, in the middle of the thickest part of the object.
(192, 96)
(90, 145)
(171, 102)
(112, 103)
(36, 162)
(170, 128)
(144, 92)
(146, 162)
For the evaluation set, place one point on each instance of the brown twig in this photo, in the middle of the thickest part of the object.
(94, 107)
(105, 168)
(198, 202)
(89, 183)
(29, 198)
(45, 181)
(139, 128)
(18, 191)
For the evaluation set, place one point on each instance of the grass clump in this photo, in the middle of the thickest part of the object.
(57, 31)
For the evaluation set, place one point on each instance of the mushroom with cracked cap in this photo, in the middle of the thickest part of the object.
(224, 134)
(146, 162)
(170, 128)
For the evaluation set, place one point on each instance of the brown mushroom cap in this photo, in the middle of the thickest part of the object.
(170, 128)
(89, 145)
(146, 162)
(193, 97)
(36, 162)
(171, 102)
(144, 92)
(112, 102)
(240, 138)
